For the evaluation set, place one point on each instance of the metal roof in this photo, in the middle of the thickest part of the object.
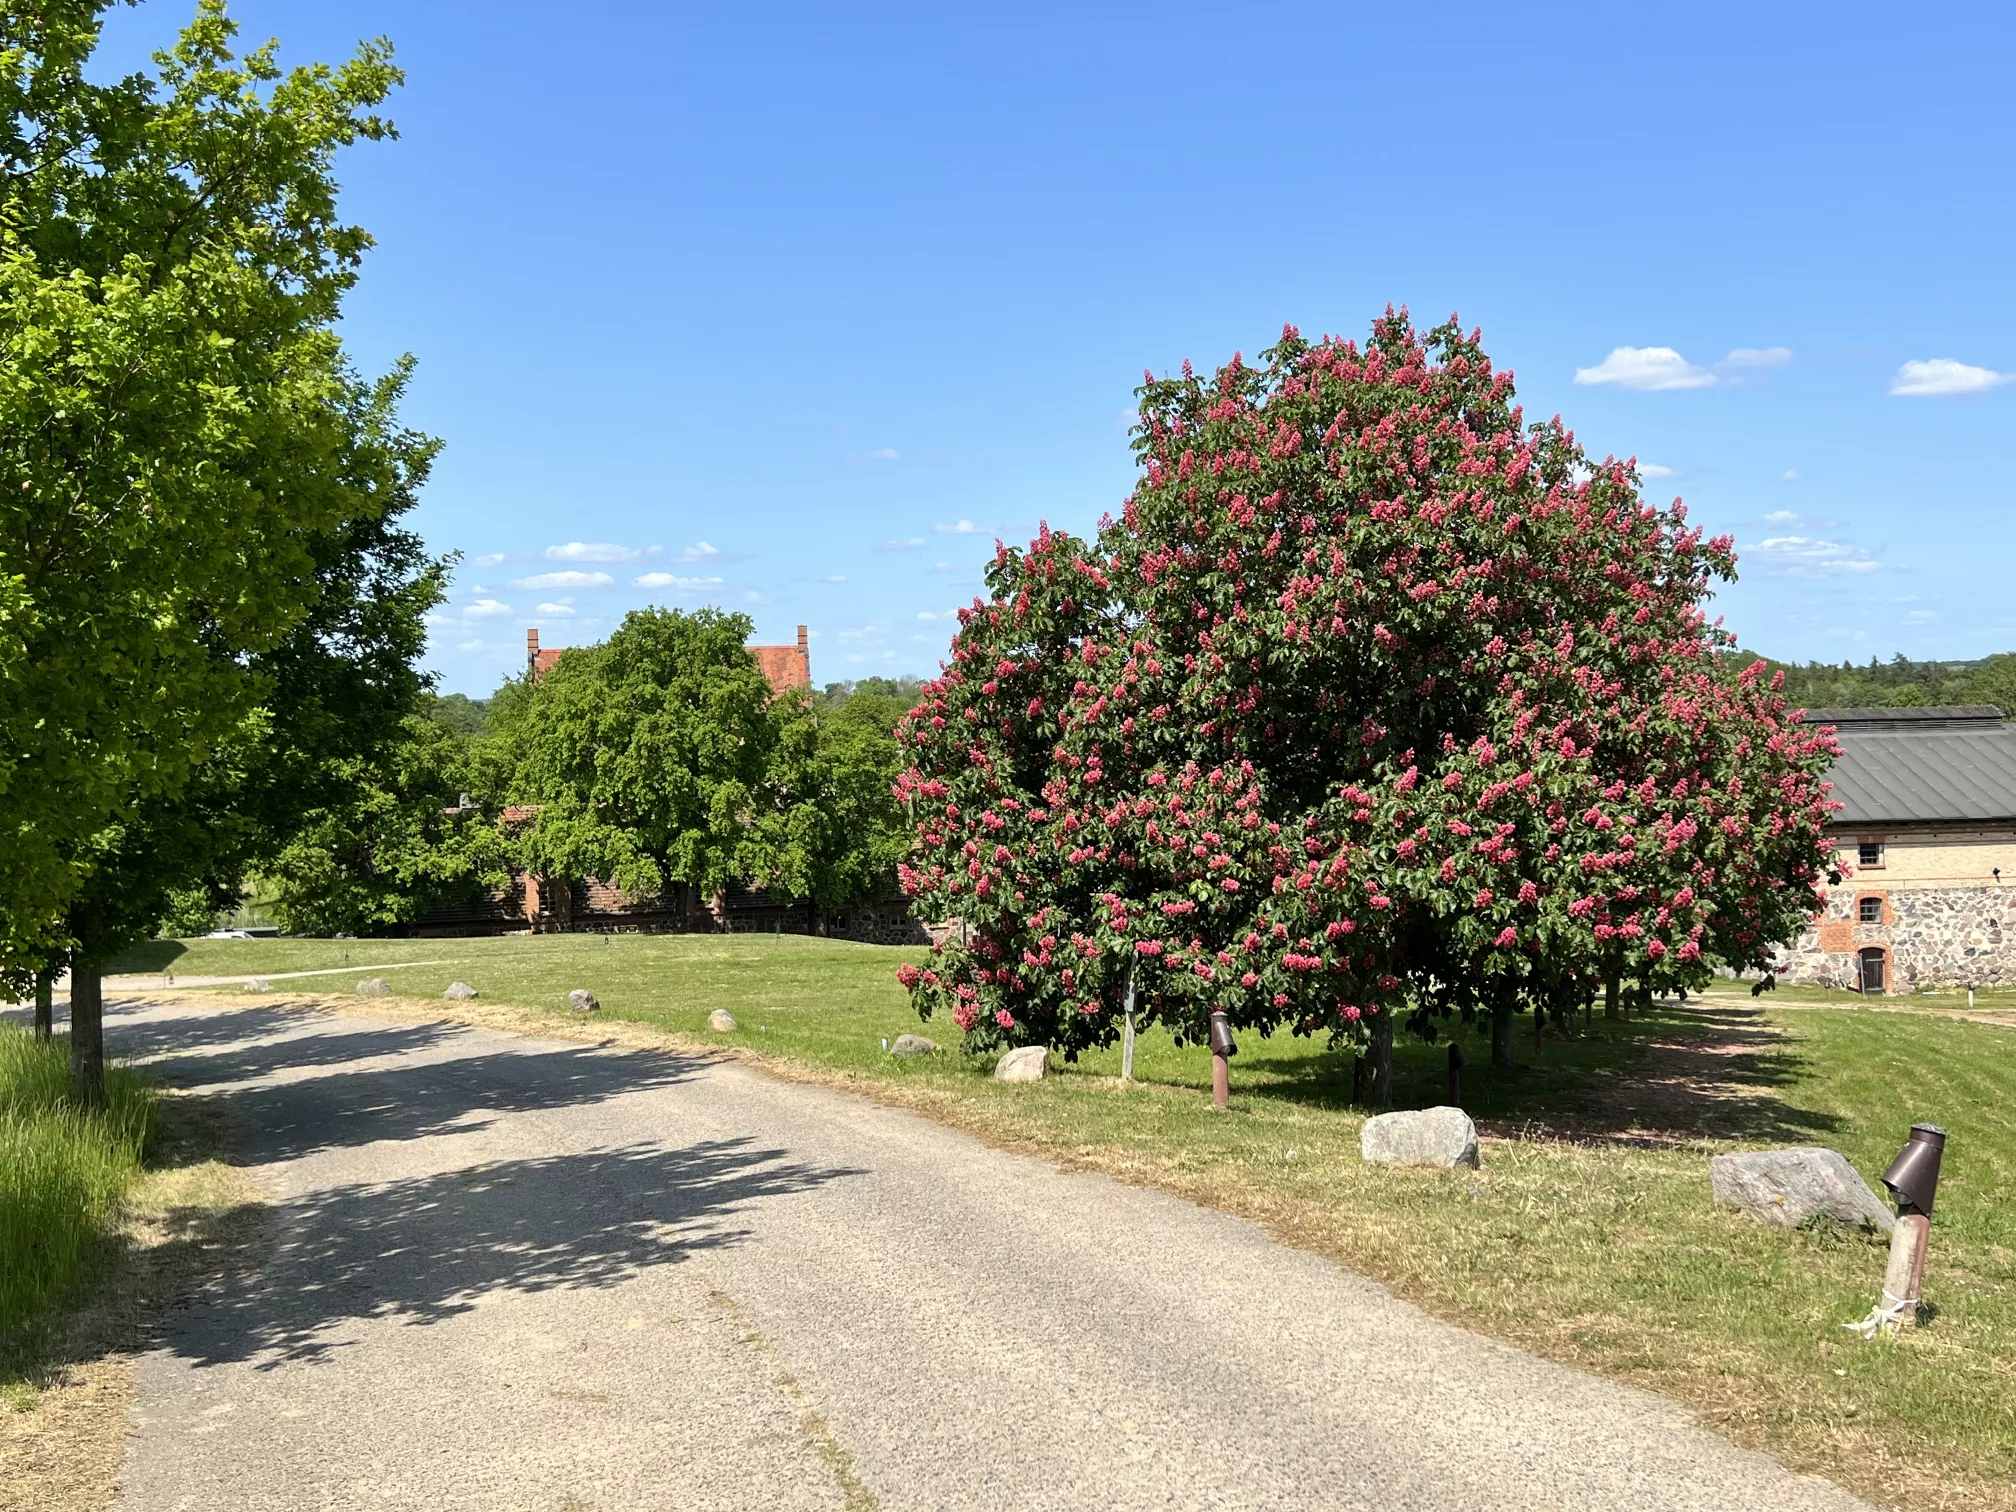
(1922, 766)
(1942, 716)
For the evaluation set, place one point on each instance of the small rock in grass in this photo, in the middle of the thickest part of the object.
(374, 987)
(1786, 1187)
(459, 991)
(258, 984)
(1025, 1065)
(721, 1021)
(1431, 1137)
(913, 1044)
(581, 1000)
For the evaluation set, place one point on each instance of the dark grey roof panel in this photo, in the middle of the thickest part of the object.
(1943, 716)
(1914, 776)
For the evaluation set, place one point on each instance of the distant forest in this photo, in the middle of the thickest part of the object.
(1899, 683)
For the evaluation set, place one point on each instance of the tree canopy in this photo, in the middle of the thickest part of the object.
(205, 598)
(1375, 700)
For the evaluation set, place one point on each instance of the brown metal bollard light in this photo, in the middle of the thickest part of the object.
(1455, 1075)
(1222, 1051)
(1913, 1179)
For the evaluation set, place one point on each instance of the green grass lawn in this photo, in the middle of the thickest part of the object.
(1589, 1235)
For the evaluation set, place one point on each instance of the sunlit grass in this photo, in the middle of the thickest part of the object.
(63, 1172)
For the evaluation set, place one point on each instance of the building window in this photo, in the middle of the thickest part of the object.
(1869, 853)
(1869, 911)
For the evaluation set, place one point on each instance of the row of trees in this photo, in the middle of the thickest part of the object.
(209, 607)
(1902, 683)
(660, 758)
(1376, 703)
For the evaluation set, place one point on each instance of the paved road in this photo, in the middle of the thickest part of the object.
(514, 1274)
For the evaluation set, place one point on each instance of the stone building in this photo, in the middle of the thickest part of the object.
(1927, 854)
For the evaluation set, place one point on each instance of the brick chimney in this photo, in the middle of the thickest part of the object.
(531, 652)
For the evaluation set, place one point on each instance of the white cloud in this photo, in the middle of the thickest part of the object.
(490, 559)
(837, 577)
(589, 551)
(480, 645)
(672, 580)
(1790, 475)
(1782, 517)
(1808, 556)
(487, 608)
(962, 527)
(1651, 470)
(1652, 369)
(879, 454)
(1922, 614)
(1942, 375)
(557, 611)
(699, 551)
(909, 543)
(564, 580)
(1645, 368)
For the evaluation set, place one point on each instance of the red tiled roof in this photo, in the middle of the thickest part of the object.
(785, 666)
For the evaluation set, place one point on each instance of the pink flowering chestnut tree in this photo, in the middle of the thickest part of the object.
(1376, 703)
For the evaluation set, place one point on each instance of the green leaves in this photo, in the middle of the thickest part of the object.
(197, 575)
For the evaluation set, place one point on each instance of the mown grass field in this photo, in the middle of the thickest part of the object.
(1590, 1234)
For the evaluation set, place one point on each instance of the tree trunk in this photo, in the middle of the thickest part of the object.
(1610, 997)
(45, 1003)
(87, 1033)
(1503, 1032)
(1588, 1007)
(1381, 1050)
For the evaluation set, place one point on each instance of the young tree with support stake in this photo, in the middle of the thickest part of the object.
(1376, 702)
(182, 448)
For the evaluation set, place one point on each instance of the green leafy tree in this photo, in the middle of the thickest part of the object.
(646, 756)
(663, 760)
(397, 843)
(187, 465)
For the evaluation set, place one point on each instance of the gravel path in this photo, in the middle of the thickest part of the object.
(509, 1273)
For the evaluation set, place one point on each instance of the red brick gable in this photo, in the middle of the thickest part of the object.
(787, 666)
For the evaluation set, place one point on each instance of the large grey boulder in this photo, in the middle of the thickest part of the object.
(1432, 1137)
(1025, 1065)
(374, 987)
(913, 1044)
(721, 1021)
(1786, 1187)
(581, 1000)
(459, 992)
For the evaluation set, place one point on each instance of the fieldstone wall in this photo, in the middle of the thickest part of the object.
(1935, 936)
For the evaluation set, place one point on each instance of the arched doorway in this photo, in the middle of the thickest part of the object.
(1869, 969)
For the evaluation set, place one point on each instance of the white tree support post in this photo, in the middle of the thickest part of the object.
(1901, 1280)
(1127, 1032)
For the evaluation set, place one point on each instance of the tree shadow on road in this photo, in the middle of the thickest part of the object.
(298, 1080)
(428, 1249)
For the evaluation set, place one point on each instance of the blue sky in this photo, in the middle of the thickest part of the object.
(791, 308)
